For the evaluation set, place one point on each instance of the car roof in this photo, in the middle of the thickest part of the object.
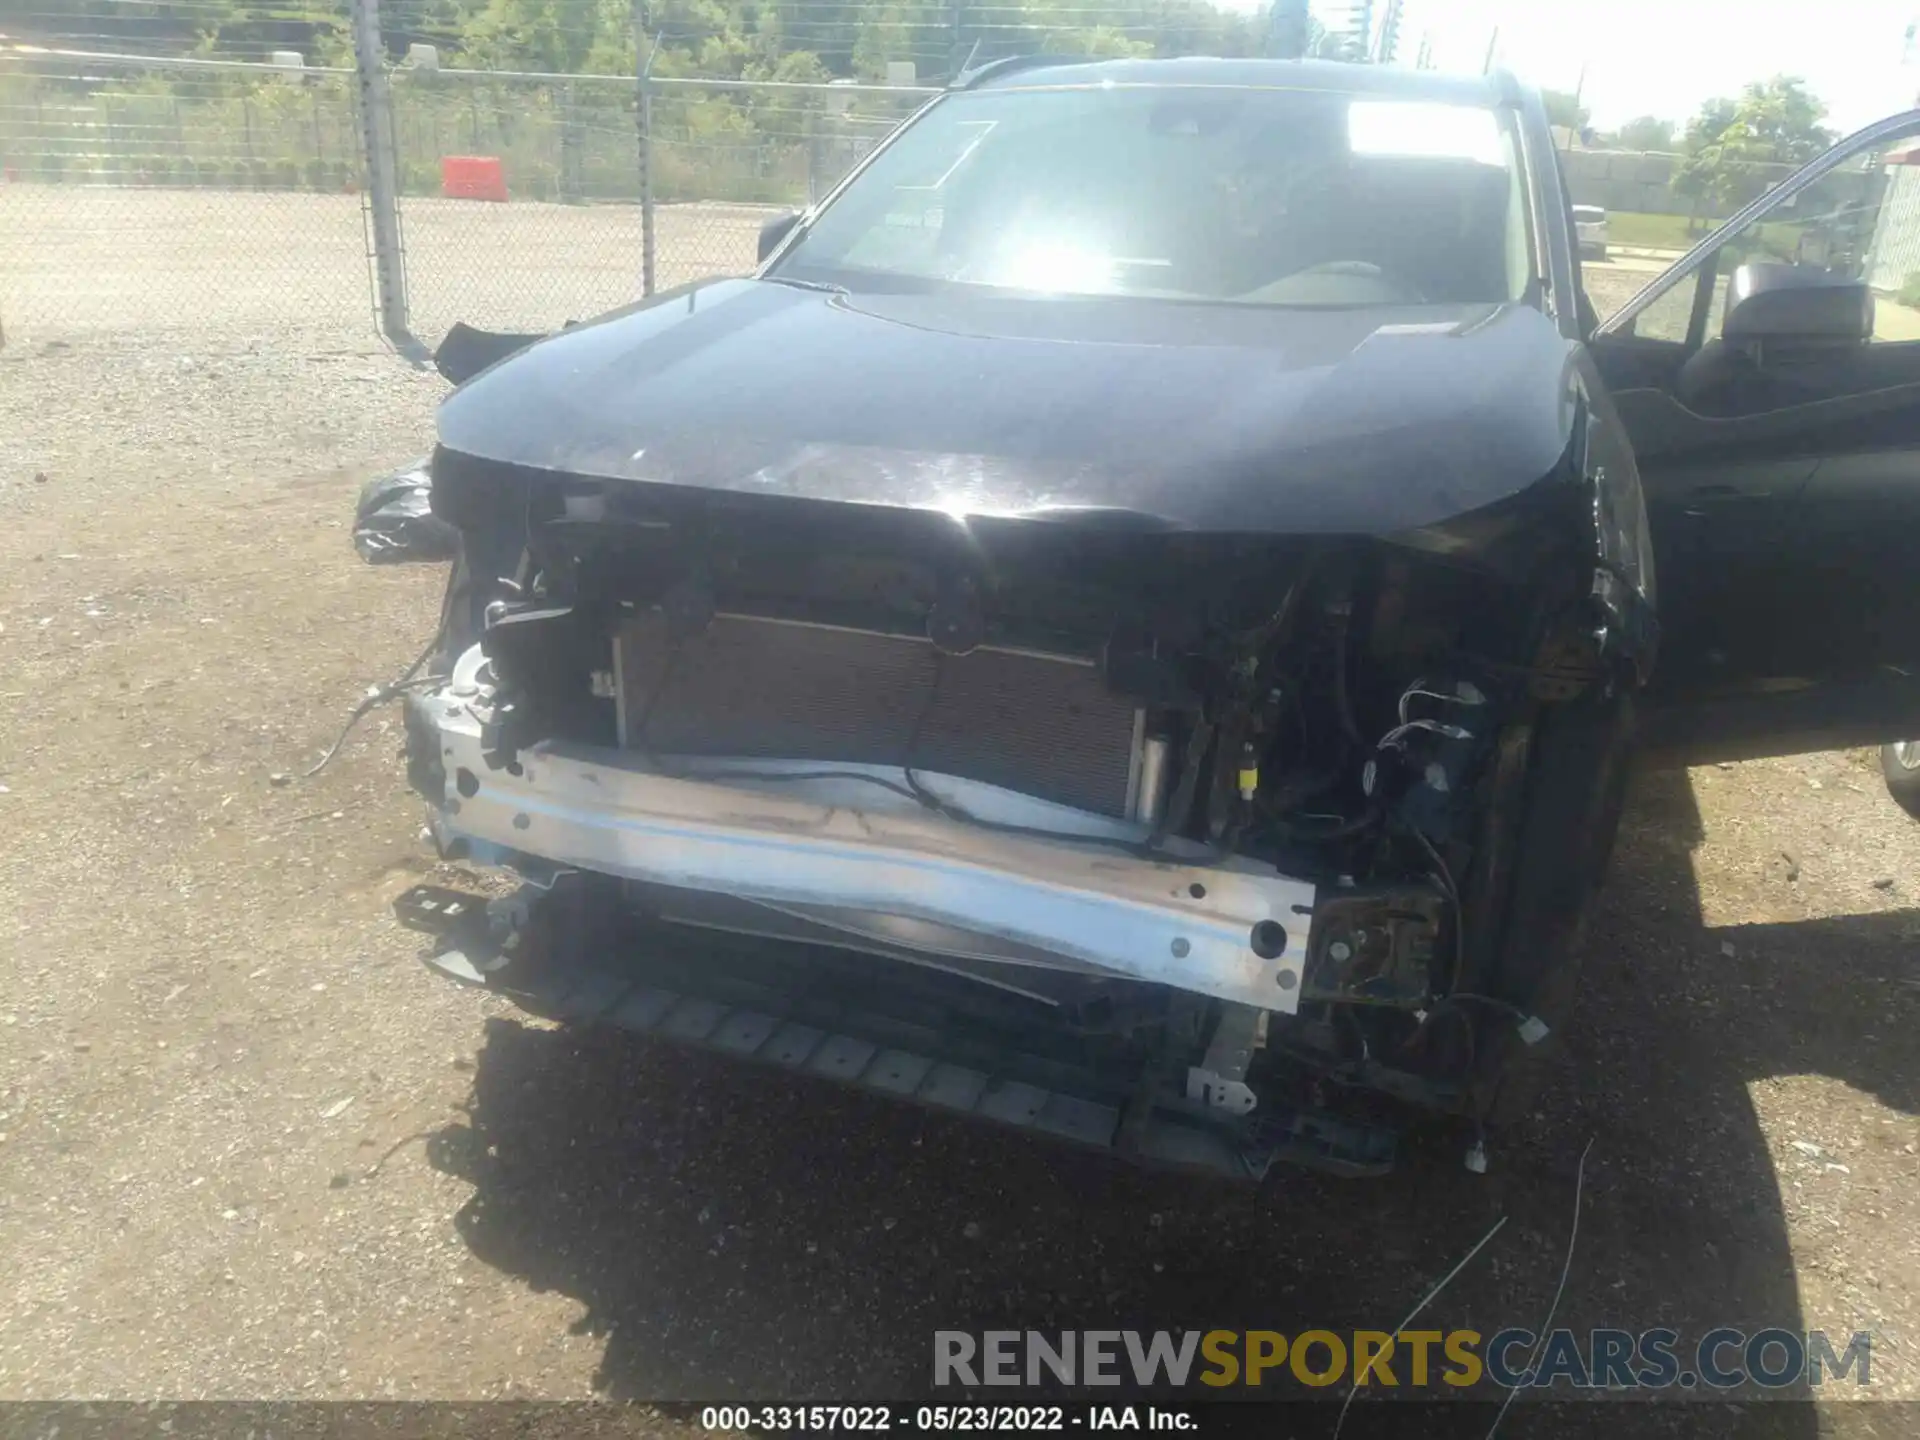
(1045, 72)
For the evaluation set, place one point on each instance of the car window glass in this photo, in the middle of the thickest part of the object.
(1277, 197)
(1861, 222)
(1890, 259)
(907, 232)
(1829, 227)
(1519, 226)
(1667, 318)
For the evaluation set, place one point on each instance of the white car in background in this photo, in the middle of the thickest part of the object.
(1590, 226)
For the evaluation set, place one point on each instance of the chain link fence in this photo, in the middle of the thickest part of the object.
(561, 241)
(238, 200)
(158, 195)
(725, 156)
(175, 195)
(598, 205)
(397, 172)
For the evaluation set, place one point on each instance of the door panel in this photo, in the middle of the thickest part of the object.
(1721, 537)
(1789, 583)
(1782, 480)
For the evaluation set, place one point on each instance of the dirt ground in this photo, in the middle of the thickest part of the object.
(249, 1148)
(77, 260)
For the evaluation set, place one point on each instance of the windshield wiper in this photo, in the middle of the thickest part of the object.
(799, 284)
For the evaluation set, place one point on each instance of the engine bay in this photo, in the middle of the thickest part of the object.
(1349, 716)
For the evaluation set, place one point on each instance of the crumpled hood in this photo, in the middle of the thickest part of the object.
(1186, 417)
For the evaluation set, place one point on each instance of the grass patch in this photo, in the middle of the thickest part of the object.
(1651, 232)
(1776, 239)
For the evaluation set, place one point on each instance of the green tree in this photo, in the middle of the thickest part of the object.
(1734, 149)
(1648, 132)
(1565, 110)
(550, 35)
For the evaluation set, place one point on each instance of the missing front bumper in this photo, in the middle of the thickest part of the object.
(665, 984)
(1235, 932)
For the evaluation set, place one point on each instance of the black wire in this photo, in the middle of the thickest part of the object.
(925, 796)
(1466, 1029)
(1342, 698)
(1445, 877)
(1456, 997)
(421, 659)
(379, 695)
(1468, 997)
(637, 740)
(637, 736)
(1345, 830)
(913, 789)
(1275, 628)
(1146, 850)
(730, 773)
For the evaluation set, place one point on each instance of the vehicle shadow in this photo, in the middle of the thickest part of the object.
(737, 1234)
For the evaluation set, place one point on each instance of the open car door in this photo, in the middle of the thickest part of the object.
(1770, 384)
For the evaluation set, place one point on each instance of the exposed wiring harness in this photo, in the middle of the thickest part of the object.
(378, 695)
(1456, 1000)
(1467, 695)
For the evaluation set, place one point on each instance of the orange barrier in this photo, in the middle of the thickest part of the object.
(472, 177)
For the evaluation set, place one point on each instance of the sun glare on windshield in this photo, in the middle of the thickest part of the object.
(1416, 129)
(1290, 198)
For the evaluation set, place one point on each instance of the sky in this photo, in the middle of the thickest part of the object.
(1664, 57)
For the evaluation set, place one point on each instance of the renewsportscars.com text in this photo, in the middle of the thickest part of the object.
(1659, 1359)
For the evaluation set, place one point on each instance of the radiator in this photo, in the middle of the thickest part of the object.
(1041, 725)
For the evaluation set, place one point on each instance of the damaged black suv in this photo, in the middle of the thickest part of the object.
(1134, 620)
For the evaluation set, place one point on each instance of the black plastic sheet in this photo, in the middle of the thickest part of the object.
(394, 522)
(466, 351)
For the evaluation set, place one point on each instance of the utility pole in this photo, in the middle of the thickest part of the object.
(1290, 29)
(1386, 48)
(1361, 28)
(383, 190)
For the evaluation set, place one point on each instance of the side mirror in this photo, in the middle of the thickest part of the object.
(1769, 302)
(776, 230)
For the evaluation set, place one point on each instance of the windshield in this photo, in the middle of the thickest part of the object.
(1250, 196)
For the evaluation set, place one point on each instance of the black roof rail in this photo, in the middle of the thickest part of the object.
(1007, 65)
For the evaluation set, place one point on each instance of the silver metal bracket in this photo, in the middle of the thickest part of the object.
(1220, 1079)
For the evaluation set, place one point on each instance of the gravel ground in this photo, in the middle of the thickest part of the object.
(75, 260)
(249, 1149)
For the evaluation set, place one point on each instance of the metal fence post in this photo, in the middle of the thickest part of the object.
(383, 199)
(572, 191)
(643, 117)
